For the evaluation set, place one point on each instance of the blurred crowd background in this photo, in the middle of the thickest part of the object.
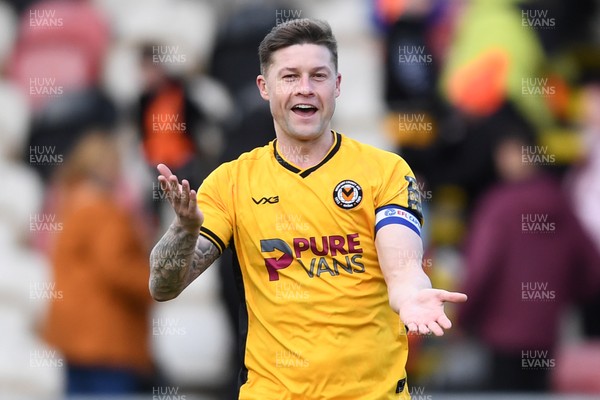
(495, 104)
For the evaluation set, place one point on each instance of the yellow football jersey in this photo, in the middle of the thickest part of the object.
(316, 319)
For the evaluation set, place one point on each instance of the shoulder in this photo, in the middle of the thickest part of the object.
(372, 156)
(257, 154)
(243, 162)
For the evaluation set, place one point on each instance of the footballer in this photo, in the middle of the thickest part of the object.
(326, 235)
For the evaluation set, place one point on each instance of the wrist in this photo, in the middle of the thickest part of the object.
(399, 296)
(180, 227)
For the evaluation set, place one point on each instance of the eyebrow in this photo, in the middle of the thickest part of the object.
(315, 69)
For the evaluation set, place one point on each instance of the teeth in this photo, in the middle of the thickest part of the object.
(304, 106)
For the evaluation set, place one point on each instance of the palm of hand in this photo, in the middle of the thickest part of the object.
(423, 312)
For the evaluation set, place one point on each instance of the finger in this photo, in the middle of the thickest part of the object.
(192, 204)
(185, 191)
(163, 183)
(412, 327)
(174, 193)
(435, 328)
(174, 184)
(164, 170)
(423, 329)
(453, 297)
(444, 322)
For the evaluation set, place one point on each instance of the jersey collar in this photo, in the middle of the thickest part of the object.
(304, 173)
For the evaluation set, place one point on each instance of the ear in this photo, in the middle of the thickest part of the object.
(261, 82)
(338, 81)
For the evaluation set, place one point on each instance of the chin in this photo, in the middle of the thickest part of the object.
(306, 132)
(305, 136)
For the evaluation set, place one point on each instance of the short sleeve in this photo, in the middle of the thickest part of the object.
(398, 199)
(215, 201)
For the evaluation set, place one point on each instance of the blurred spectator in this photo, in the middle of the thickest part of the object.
(235, 64)
(526, 258)
(496, 58)
(56, 127)
(584, 186)
(168, 119)
(101, 321)
(60, 48)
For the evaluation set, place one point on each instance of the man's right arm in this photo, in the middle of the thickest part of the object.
(181, 255)
(176, 260)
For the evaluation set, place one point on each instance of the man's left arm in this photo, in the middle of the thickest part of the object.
(421, 308)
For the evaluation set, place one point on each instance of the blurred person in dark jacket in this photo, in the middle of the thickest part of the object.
(169, 121)
(527, 258)
(100, 266)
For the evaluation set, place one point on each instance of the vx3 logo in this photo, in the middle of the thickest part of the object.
(266, 200)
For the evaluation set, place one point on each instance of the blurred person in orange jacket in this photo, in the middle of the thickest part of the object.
(100, 265)
(169, 120)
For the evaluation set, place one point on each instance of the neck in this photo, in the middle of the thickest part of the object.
(305, 153)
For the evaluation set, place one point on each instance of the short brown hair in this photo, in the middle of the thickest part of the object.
(297, 31)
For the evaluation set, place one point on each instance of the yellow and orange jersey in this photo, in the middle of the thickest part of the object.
(316, 314)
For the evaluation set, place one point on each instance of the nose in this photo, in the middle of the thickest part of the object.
(305, 87)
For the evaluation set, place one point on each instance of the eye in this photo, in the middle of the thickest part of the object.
(289, 78)
(320, 76)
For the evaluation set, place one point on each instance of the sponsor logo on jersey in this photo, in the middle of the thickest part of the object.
(331, 255)
(266, 200)
(347, 194)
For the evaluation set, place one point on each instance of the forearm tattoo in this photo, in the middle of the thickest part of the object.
(177, 259)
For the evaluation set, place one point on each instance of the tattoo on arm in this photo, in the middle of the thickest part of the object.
(177, 259)
(204, 255)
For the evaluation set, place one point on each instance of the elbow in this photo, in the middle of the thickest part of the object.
(162, 295)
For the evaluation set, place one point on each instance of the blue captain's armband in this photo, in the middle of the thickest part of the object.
(394, 214)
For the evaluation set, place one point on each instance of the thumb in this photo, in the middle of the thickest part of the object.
(452, 297)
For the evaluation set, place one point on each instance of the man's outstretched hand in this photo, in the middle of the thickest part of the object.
(423, 311)
(181, 198)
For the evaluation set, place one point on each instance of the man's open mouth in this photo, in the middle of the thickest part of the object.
(304, 110)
